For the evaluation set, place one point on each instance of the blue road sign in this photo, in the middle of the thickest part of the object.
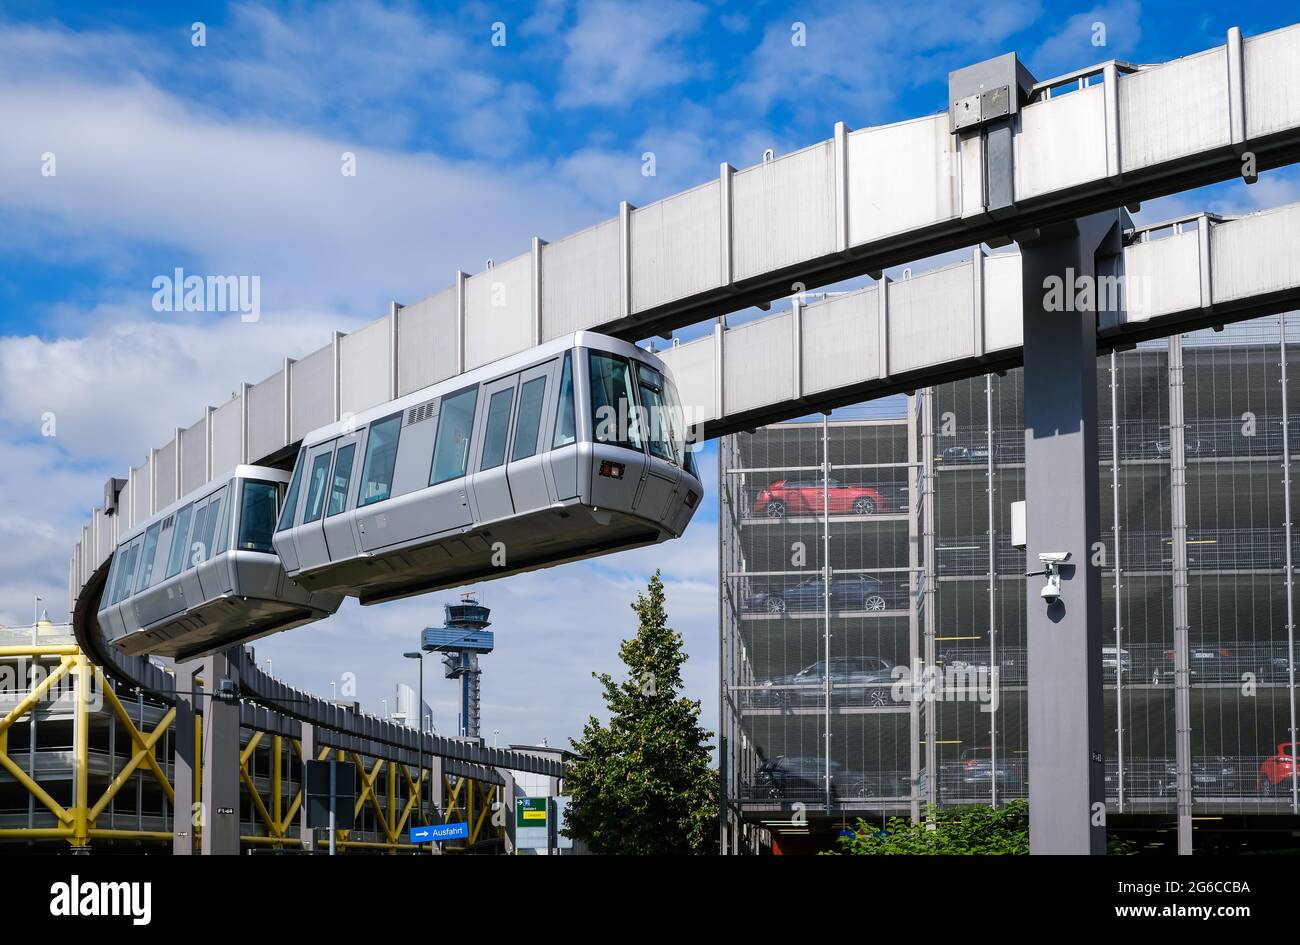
(439, 832)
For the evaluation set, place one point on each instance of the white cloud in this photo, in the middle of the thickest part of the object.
(618, 52)
(1117, 25)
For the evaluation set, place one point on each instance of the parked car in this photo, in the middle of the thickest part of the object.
(805, 497)
(1215, 775)
(1275, 771)
(869, 676)
(1191, 447)
(1206, 662)
(976, 770)
(979, 453)
(793, 778)
(848, 592)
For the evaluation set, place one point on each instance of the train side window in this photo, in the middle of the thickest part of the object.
(342, 479)
(531, 397)
(192, 555)
(381, 456)
(110, 582)
(176, 557)
(614, 414)
(257, 516)
(223, 529)
(206, 551)
(496, 432)
(146, 559)
(566, 424)
(126, 579)
(451, 445)
(291, 500)
(316, 483)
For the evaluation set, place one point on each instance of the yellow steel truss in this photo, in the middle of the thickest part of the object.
(464, 799)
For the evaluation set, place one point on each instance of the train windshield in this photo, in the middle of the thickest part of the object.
(257, 516)
(613, 403)
(657, 403)
(682, 426)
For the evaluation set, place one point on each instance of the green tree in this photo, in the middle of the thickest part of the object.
(644, 783)
(951, 830)
(977, 829)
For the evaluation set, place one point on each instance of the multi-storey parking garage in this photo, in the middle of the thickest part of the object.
(922, 620)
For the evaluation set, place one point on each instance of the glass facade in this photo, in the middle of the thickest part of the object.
(873, 607)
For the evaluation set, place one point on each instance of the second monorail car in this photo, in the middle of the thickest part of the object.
(202, 574)
(572, 449)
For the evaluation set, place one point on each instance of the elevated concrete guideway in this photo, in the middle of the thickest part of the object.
(1096, 139)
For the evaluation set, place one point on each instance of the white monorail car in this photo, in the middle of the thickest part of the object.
(572, 449)
(202, 574)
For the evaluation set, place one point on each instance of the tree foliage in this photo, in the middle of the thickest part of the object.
(644, 782)
(976, 829)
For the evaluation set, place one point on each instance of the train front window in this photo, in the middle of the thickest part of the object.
(207, 545)
(291, 500)
(381, 457)
(566, 425)
(316, 482)
(451, 446)
(257, 516)
(660, 425)
(614, 414)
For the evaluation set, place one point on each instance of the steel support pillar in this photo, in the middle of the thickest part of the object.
(220, 758)
(1181, 612)
(307, 741)
(1063, 514)
(183, 760)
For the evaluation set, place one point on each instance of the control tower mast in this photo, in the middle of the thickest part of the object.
(461, 640)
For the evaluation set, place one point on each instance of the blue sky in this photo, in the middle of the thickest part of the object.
(225, 158)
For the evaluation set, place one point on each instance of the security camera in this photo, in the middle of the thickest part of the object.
(1052, 561)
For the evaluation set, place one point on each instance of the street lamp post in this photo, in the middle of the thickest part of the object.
(419, 715)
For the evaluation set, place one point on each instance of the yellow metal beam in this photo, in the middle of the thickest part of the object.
(81, 766)
(35, 696)
(144, 751)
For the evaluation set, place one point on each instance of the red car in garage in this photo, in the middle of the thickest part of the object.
(1275, 772)
(804, 497)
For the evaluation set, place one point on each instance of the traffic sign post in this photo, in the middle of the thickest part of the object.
(437, 833)
(330, 789)
(532, 823)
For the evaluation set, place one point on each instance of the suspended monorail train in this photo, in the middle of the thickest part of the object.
(572, 449)
(202, 574)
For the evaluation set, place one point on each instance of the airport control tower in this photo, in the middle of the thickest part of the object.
(461, 641)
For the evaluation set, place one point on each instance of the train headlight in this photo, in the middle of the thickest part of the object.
(612, 470)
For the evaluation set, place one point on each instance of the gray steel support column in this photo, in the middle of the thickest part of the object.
(438, 799)
(993, 578)
(826, 604)
(1116, 564)
(220, 758)
(508, 809)
(929, 599)
(914, 574)
(1063, 514)
(183, 761)
(308, 742)
(1289, 582)
(1178, 523)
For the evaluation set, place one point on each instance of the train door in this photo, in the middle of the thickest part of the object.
(526, 470)
(214, 575)
(340, 538)
(490, 481)
(309, 534)
(563, 449)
